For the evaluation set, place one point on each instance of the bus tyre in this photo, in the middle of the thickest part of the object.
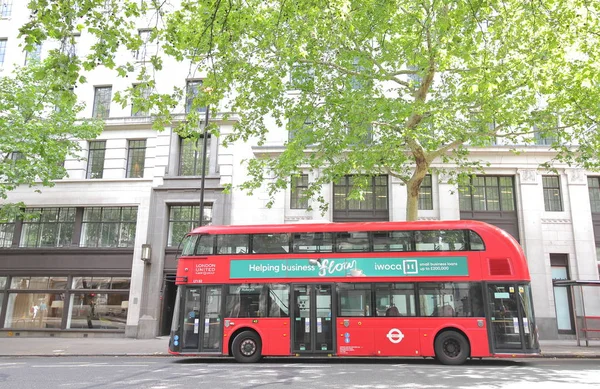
(247, 347)
(452, 348)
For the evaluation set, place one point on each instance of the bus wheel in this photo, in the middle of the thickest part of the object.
(452, 348)
(247, 347)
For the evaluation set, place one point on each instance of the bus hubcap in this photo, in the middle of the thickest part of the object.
(248, 347)
(451, 348)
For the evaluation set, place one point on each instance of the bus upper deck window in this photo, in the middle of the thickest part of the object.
(312, 242)
(440, 240)
(392, 241)
(271, 243)
(232, 243)
(189, 242)
(205, 245)
(351, 241)
(475, 241)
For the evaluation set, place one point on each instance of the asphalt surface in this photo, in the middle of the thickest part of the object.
(79, 346)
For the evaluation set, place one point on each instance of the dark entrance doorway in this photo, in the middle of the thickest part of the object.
(169, 292)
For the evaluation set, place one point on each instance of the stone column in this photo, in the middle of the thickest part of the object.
(398, 198)
(448, 201)
(584, 265)
(531, 212)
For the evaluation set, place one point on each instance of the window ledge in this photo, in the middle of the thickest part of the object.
(103, 180)
(65, 250)
(208, 176)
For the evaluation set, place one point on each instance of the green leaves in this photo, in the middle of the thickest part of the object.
(37, 127)
(386, 86)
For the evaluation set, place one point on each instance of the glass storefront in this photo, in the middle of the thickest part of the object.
(33, 311)
(64, 302)
(105, 311)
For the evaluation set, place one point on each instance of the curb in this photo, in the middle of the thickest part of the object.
(569, 356)
(86, 355)
(160, 354)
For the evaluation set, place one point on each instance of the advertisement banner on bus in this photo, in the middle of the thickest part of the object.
(350, 267)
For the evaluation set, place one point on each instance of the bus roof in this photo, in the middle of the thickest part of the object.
(343, 227)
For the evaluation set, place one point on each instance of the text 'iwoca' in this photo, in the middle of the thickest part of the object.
(388, 266)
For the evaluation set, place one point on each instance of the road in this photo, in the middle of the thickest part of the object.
(169, 372)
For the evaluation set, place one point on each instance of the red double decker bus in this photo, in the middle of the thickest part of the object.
(446, 289)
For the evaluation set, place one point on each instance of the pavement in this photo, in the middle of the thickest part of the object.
(56, 346)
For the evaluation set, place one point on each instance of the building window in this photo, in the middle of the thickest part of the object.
(359, 134)
(136, 157)
(358, 81)
(48, 302)
(101, 283)
(148, 47)
(99, 303)
(98, 311)
(36, 302)
(5, 8)
(192, 90)
(34, 54)
(552, 197)
(7, 231)
(373, 198)
(2, 287)
(302, 77)
(108, 227)
(190, 156)
(16, 156)
(594, 193)
(544, 140)
(69, 45)
(487, 193)
(95, 167)
(48, 227)
(372, 206)
(183, 218)
(562, 295)
(28, 310)
(426, 194)
(297, 125)
(299, 186)
(102, 98)
(2, 51)
(142, 93)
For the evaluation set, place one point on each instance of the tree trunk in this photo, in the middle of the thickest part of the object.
(412, 202)
(412, 191)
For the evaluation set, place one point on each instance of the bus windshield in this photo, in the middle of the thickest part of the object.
(189, 243)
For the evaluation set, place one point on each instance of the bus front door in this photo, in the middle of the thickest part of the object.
(511, 328)
(312, 321)
(202, 327)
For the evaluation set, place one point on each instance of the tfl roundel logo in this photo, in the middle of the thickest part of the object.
(395, 335)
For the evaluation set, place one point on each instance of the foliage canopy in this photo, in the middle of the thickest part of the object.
(38, 129)
(366, 87)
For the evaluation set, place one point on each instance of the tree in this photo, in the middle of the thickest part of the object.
(368, 87)
(38, 129)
